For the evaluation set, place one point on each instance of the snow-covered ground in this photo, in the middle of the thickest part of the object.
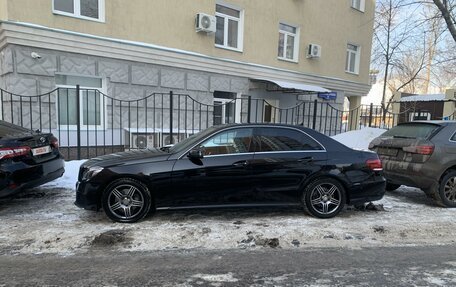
(45, 220)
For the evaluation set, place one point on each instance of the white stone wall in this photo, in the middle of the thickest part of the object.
(24, 75)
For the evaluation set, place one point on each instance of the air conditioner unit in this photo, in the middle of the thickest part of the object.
(166, 138)
(205, 23)
(314, 51)
(142, 140)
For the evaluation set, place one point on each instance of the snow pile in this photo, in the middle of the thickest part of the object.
(359, 139)
(53, 224)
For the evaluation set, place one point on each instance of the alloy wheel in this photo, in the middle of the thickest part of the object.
(125, 201)
(449, 190)
(325, 198)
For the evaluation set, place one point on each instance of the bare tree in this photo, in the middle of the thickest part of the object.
(407, 73)
(448, 10)
(395, 38)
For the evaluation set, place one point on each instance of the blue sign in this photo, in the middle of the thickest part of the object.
(328, 96)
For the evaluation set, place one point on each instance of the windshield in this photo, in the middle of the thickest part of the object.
(190, 141)
(412, 131)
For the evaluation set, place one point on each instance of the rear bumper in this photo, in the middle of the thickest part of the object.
(419, 175)
(367, 191)
(19, 176)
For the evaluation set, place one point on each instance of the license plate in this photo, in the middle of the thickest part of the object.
(41, 150)
(387, 151)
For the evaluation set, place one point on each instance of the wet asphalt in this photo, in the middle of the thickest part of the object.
(386, 266)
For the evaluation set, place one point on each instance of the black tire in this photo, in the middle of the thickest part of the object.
(319, 201)
(126, 200)
(446, 195)
(391, 186)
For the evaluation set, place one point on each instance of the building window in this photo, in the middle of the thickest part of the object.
(91, 101)
(229, 28)
(84, 9)
(224, 108)
(353, 55)
(358, 4)
(288, 42)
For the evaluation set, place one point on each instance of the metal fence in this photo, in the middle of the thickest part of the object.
(89, 123)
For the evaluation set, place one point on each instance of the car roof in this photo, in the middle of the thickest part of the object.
(219, 127)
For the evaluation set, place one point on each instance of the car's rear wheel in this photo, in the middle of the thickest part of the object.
(392, 186)
(324, 198)
(447, 190)
(126, 200)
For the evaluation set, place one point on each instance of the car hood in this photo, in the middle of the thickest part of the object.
(127, 157)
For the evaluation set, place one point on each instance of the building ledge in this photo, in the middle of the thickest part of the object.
(33, 35)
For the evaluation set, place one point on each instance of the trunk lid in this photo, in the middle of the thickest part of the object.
(18, 143)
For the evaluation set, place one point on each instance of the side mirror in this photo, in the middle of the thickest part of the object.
(195, 154)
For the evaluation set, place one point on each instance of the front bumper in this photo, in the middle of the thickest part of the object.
(18, 176)
(87, 195)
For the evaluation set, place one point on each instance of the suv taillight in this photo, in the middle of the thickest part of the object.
(14, 152)
(374, 164)
(421, 149)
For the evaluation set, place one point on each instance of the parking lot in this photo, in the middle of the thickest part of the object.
(46, 221)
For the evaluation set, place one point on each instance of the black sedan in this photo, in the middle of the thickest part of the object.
(233, 165)
(27, 158)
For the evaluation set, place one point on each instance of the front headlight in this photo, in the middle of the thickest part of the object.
(91, 172)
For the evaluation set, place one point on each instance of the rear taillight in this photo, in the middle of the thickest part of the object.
(421, 149)
(374, 164)
(14, 152)
(54, 142)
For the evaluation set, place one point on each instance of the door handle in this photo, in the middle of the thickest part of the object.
(306, 159)
(240, 163)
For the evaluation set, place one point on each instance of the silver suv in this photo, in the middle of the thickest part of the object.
(420, 154)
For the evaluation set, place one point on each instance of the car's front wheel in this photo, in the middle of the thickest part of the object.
(324, 198)
(126, 200)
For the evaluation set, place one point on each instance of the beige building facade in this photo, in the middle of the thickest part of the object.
(282, 51)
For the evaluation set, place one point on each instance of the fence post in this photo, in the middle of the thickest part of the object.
(78, 121)
(314, 122)
(371, 110)
(171, 140)
(249, 107)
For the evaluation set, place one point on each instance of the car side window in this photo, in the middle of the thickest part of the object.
(284, 139)
(229, 142)
(453, 138)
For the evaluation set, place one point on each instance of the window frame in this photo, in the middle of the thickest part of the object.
(357, 59)
(77, 11)
(226, 18)
(296, 42)
(362, 5)
(183, 154)
(103, 108)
